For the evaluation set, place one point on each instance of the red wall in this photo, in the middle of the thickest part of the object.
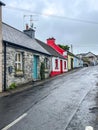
(54, 73)
(51, 42)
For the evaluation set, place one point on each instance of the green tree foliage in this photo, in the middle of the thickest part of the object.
(65, 47)
(42, 71)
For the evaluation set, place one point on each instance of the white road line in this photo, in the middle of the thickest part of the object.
(14, 122)
(89, 128)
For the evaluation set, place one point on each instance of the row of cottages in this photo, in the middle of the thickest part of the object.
(58, 62)
(21, 56)
(72, 60)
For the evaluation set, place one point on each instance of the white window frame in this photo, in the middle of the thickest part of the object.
(46, 61)
(19, 62)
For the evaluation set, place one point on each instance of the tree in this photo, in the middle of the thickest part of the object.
(64, 47)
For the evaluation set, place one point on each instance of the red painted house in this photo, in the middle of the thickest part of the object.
(62, 63)
(51, 42)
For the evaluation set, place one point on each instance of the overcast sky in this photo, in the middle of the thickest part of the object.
(82, 35)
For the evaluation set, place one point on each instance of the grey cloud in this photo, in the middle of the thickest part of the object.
(83, 36)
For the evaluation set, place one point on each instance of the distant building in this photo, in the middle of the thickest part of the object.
(74, 61)
(90, 59)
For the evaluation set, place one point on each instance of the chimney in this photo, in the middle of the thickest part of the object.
(1, 48)
(30, 32)
(51, 41)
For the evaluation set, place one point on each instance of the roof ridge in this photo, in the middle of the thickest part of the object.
(57, 53)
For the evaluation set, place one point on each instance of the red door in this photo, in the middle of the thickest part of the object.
(61, 66)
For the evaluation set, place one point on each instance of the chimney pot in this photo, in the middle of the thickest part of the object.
(51, 41)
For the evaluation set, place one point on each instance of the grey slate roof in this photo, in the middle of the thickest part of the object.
(85, 54)
(50, 49)
(17, 37)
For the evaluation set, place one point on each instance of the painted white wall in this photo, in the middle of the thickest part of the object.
(59, 59)
(64, 70)
(53, 64)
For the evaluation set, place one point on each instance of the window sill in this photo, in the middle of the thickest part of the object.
(46, 70)
(19, 74)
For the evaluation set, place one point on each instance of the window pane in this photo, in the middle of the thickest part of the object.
(18, 61)
(56, 64)
(18, 57)
(46, 63)
(19, 66)
(64, 64)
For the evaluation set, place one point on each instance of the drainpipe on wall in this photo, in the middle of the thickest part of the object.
(1, 47)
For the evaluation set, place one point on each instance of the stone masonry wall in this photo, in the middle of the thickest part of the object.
(27, 66)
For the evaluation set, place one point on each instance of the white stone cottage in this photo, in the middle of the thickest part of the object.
(20, 56)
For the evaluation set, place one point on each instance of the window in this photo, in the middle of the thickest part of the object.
(46, 61)
(64, 64)
(18, 61)
(56, 63)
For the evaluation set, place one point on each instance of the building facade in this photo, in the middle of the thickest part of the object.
(70, 61)
(63, 67)
(77, 62)
(21, 57)
(90, 59)
(58, 62)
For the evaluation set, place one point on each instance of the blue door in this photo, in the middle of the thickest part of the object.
(35, 62)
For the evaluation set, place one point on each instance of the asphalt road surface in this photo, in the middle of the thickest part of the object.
(68, 102)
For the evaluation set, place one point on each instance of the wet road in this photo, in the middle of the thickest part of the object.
(68, 102)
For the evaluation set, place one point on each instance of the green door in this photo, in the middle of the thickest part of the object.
(35, 64)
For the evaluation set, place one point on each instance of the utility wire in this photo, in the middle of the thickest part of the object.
(53, 16)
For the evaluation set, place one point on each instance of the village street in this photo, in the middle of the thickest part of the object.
(68, 102)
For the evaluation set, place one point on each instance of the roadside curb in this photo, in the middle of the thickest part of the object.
(34, 84)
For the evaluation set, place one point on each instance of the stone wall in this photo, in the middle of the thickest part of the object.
(27, 66)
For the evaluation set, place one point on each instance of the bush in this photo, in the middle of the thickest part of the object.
(42, 71)
(12, 86)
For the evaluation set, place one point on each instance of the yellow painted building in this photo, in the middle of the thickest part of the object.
(70, 60)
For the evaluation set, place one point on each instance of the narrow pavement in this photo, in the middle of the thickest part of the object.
(68, 102)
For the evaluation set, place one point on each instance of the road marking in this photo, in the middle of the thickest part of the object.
(14, 122)
(89, 128)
